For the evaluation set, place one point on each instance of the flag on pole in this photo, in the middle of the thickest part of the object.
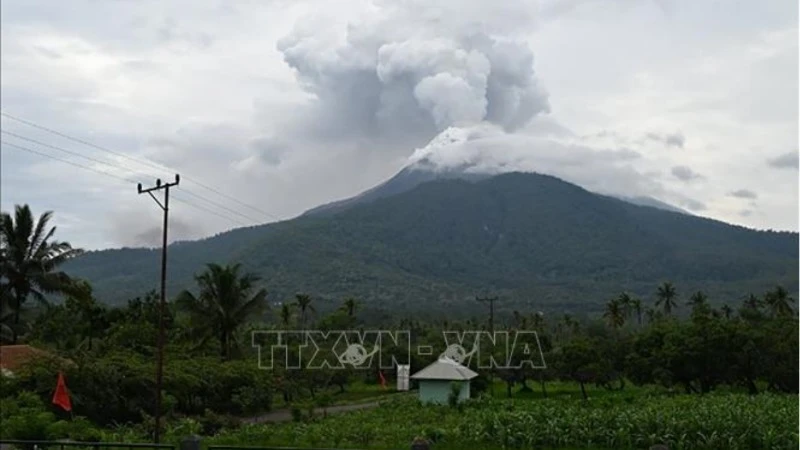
(383, 380)
(61, 396)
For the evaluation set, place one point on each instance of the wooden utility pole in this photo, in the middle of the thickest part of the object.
(163, 304)
(491, 301)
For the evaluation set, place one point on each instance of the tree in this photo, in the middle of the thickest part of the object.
(303, 303)
(614, 314)
(752, 302)
(636, 306)
(225, 302)
(697, 299)
(349, 306)
(624, 301)
(30, 259)
(727, 311)
(779, 302)
(699, 303)
(665, 297)
(286, 314)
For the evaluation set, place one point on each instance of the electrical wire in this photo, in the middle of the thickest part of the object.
(127, 169)
(137, 160)
(117, 177)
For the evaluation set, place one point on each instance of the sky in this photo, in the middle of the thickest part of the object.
(268, 108)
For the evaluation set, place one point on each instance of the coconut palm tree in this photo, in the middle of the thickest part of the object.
(537, 320)
(614, 314)
(286, 314)
(727, 311)
(30, 260)
(226, 301)
(624, 301)
(752, 302)
(779, 302)
(697, 299)
(303, 303)
(636, 307)
(349, 306)
(666, 297)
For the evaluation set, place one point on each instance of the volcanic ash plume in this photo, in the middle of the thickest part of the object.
(412, 70)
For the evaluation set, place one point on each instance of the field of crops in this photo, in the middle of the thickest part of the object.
(723, 421)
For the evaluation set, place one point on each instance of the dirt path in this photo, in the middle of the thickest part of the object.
(285, 415)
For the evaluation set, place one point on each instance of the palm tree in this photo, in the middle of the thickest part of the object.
(636, 306)
(625, 301)
(303, 302)
(752, 302)
(30, 259)
(286, 314)
(537, 320)
(727, 311)
(614, 314)
(779, 302)
(666, 297)
(651, 314)
(349, 306)
(225, 302)
(697, 299)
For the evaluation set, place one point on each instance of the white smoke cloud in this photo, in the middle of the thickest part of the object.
(487, 148)
(407, 70)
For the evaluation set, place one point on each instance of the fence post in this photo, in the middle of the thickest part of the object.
(192, 442)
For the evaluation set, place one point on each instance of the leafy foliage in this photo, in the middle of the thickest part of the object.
(29, 262)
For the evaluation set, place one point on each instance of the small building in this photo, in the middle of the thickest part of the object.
(14, 357)
(436, 381)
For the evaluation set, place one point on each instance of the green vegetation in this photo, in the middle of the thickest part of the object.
(532, 239)
(677, 369)
(682, 422)
(29, 262)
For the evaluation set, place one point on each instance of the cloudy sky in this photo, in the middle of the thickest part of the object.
(267, 108)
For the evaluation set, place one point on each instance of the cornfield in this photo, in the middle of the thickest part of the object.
(728, 421)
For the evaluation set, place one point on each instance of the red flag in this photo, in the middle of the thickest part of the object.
(383, 380)
(61, 396)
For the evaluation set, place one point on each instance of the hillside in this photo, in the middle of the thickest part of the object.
(536, 240)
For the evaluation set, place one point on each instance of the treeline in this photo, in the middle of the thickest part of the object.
(211, 367)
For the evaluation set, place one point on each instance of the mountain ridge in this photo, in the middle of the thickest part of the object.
(424, 171)
(533, 239)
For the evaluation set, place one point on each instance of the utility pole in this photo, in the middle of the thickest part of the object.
(163, 304)
(491, 301)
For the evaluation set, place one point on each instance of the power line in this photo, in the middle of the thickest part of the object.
(66, 161)
(127, 169)
(108, 174)
(80, 155)
(143, 162)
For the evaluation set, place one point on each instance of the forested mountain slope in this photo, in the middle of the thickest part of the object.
(534, 239)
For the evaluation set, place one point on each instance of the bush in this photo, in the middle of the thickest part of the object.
(119, 387)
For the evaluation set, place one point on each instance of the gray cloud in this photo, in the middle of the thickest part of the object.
(785, 161)
(745, 213)
(743, 193)
(269, 150)
(670, 139)
(684, 173)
